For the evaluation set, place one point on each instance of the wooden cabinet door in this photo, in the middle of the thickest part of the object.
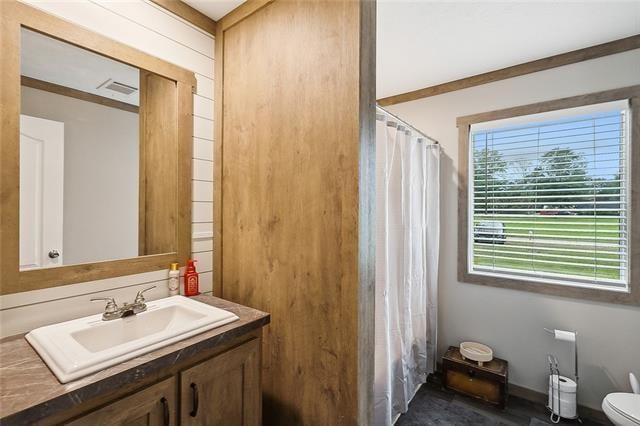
(224, 390)
(152, 406)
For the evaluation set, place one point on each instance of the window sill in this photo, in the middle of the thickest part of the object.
(624, 296)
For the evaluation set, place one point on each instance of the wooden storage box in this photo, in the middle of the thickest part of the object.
(488, 383)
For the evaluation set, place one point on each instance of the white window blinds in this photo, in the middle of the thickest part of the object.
(549, 197)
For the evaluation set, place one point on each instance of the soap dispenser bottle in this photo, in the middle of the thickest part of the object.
(191, 279)
(174, 280)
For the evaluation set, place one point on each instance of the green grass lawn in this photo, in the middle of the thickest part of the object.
(568, 245)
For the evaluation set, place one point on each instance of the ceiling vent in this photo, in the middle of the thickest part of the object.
(115, 86)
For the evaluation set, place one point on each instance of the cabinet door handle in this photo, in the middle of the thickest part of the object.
(194, 389)
(165, 411)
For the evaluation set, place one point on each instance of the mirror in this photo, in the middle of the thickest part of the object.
(83, 141)
(96, 155)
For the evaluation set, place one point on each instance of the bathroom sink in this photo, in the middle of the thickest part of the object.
(77, 348)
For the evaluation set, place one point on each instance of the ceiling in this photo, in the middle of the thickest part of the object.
(214, 9)
(48, 59)
(423, 43)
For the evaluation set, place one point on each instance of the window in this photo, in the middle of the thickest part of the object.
(548, 196)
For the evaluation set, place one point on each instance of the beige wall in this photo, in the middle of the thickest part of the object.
(151, 29)
(512, 321)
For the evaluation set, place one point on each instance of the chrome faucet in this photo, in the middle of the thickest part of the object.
(112, 311)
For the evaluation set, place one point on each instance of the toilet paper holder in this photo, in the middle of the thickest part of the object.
(562, 405)
(567, 336)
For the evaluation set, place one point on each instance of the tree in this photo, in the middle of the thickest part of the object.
(518, 195)
(489, 168)
(609, 191)
(561, 165)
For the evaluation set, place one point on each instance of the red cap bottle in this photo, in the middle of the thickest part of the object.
(191, 279)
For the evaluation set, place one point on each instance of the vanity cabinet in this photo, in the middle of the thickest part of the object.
(224, 390)
(223, 364)
(154, 405)
(221, 390)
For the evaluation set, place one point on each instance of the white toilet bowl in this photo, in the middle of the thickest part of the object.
(623, 409)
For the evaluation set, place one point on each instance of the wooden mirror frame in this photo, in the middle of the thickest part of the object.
(14, 16)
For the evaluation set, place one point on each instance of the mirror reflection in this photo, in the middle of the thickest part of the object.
(83, 187)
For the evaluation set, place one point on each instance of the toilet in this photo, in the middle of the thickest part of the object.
(623, 408)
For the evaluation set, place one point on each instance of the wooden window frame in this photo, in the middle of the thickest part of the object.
(629, 297)
(14, 16)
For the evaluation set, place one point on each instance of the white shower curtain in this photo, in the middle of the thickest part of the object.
(407, 235)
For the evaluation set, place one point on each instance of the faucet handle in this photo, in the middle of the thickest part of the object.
(111, 307)
(140, 296)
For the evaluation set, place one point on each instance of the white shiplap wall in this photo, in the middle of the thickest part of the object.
(151, 29)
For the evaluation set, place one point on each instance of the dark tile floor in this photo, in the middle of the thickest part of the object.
(434, 406)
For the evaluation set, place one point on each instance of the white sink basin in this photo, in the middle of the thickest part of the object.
(77, 348)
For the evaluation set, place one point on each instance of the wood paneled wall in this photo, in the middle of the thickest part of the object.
(293, 197)
(158, 164)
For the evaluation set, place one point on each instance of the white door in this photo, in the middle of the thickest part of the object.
(41, 192)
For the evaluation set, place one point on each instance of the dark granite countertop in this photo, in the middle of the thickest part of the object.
(29, 391)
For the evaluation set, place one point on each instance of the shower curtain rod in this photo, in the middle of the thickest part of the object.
(407, 124)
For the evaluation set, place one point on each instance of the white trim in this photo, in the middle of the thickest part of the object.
(532, 119)
(627, 180)
(470, 201)
(570, 282)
